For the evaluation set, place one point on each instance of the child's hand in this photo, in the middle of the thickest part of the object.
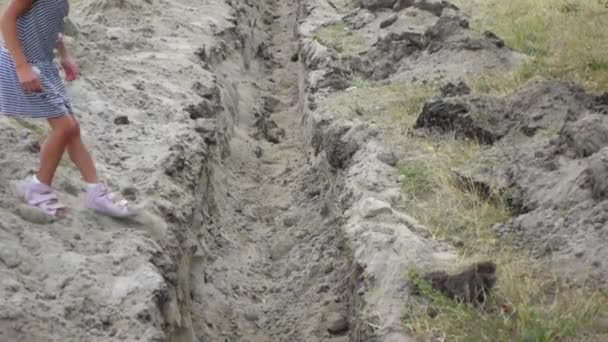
(70, 67)
(29, 78)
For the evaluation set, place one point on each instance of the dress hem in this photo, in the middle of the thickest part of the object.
(30, 116)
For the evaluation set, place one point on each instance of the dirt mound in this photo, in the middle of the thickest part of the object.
(548, 161)
(426, 40)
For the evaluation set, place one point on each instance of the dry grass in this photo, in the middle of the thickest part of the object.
(567, 38)
(389, 104)
(341, 38)
(530, 303)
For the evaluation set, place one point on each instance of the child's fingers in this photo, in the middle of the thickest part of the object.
(33, 86)
(37, 86)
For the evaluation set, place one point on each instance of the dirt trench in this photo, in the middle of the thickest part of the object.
(275, 266)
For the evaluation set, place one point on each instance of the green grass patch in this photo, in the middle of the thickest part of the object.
(529, 302)
(567, 39)
(341, 38)
(386, 104)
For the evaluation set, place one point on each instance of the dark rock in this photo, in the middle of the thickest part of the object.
(395, 46)
(495, 39)
(482, 119)
(452, 90)
(598, 175)
(376, 4)
(339, 151)
(258, 151)
(263, 52)
(269, 129)
(336, 323)
(334, 78)
(129, 193)
(204, 109)
(473, 285)
(389, 21)
(433, 6)
(122, 120)
(585, 136)
(403, 4)
(208, 92)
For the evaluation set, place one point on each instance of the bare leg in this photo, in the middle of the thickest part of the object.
(81, 157)
(62, 130)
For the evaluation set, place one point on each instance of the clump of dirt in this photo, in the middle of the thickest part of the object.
(428, 40)
(471, 285)
(548, 161)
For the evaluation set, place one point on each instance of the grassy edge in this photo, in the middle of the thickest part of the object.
(530, 302)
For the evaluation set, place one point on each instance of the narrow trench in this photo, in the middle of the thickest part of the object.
(277, 268)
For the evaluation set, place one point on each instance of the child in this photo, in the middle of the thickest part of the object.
(30, 86)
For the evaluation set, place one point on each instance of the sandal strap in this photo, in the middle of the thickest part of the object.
(53, 205)
(39, 199)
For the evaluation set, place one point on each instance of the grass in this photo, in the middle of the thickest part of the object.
(568, 39)
(340, 37)
(386, 104)
(529, 303)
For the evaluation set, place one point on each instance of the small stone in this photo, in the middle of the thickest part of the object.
(433, 6)
(291, 220)
(388, 22)
(388, 158)
(122, 120)
(372, 207)
(130, 193)
(323, 288)
(402, 4)
(259, 152)
(336, 323)
(251, 316)
(33, 147)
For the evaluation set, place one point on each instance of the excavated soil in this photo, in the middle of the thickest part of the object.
(266, 216)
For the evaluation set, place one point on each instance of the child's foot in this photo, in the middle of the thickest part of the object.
(41, 196)
(102, 201)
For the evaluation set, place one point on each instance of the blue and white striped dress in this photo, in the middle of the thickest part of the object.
(39, 30)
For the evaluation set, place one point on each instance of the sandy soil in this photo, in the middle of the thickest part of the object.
(262, 219)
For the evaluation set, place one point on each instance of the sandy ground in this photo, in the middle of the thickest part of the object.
(262, 218)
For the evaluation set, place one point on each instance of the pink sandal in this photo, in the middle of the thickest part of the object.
(41, 196)
(102, 201)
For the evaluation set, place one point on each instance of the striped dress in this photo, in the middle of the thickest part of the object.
(39, 30)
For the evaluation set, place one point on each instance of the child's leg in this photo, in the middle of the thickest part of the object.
(80, 156)
(62, 131)
(98, 197)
